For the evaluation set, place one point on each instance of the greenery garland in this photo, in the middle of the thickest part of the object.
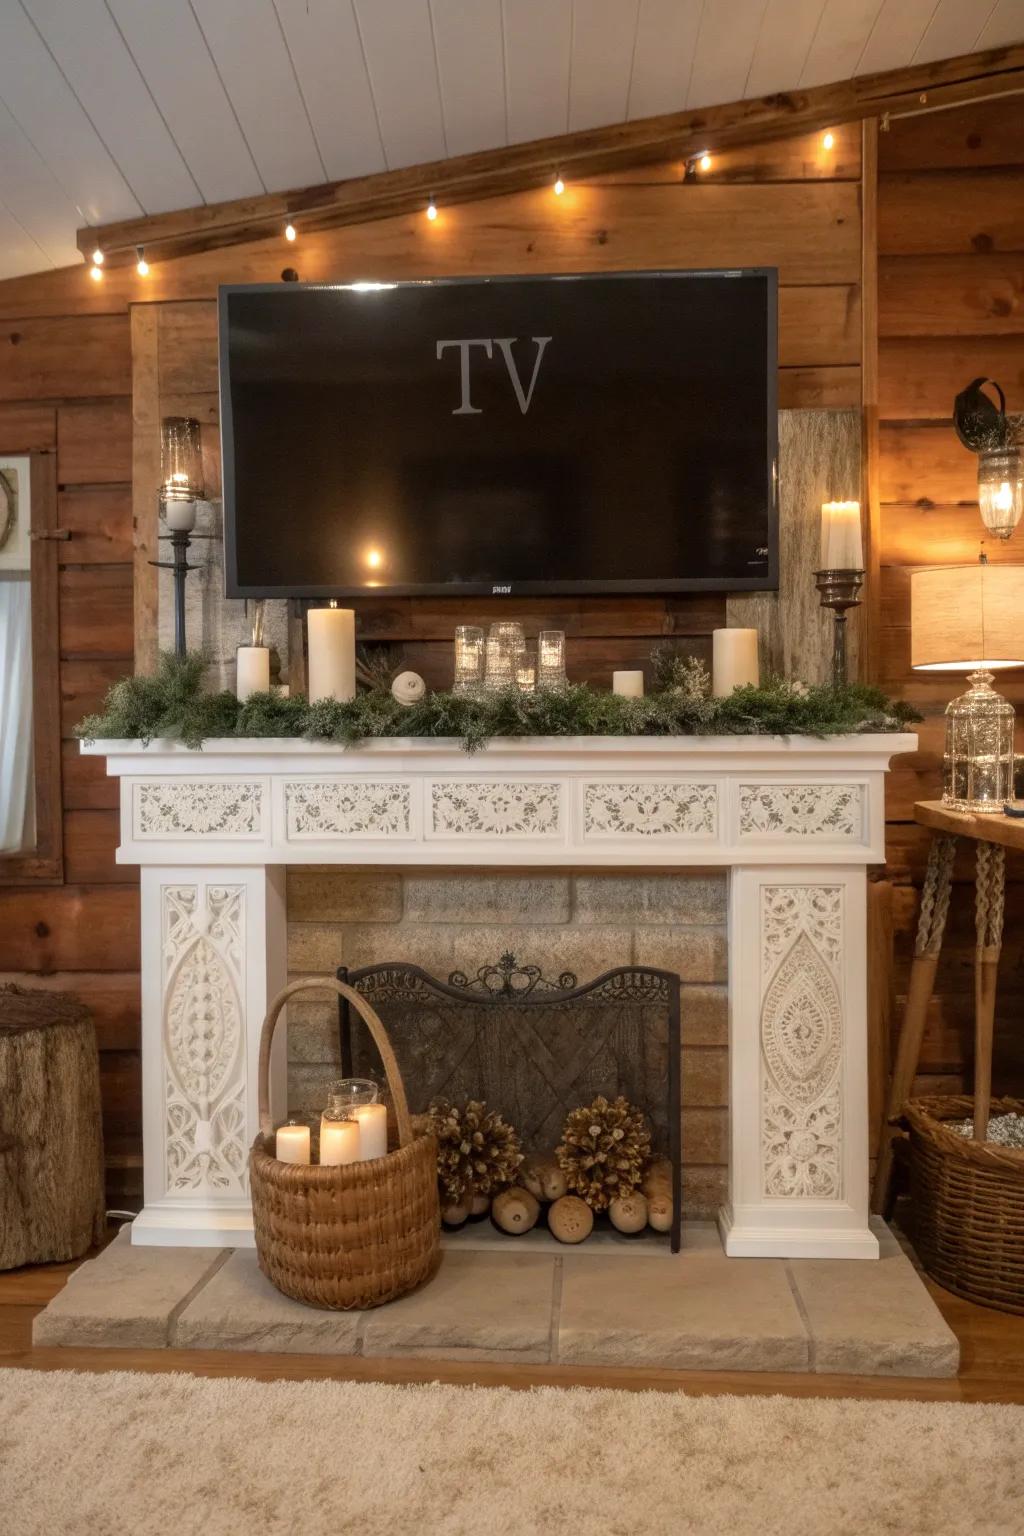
(173, 704)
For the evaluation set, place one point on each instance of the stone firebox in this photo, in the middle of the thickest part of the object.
(795, 823)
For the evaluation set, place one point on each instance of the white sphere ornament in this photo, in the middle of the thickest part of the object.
(408, 688)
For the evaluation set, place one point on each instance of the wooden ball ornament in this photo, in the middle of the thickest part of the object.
(455, 1215)
(479, 1205)
(629, 1212)
(659, 1212)
(657, 1178)
(571, 1219)
(515, 1210)
(408, 688)
(545, 1180)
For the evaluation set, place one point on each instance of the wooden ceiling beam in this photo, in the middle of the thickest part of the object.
(522, 167)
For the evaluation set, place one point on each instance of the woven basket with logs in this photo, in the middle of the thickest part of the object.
(968, 1202)
(355, 1235)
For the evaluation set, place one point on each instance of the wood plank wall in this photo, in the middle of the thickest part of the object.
(67, 361)
(951, 307)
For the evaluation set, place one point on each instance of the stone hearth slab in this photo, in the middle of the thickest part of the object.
(702, 1311)
(480, 1306)
(238, 1308)
(126, 1297)
(885, 1326)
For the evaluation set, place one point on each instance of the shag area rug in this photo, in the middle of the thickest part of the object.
(102, 1455)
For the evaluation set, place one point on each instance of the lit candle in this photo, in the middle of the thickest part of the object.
(733, 660)
(629, 685)
(292, 1144)
(372, 1120)
(252, 671)
(332, 653)
(339, 1142)
(841, 546)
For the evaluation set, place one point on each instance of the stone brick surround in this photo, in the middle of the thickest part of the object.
(583, 923)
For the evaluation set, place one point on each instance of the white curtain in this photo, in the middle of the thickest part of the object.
(17, 789)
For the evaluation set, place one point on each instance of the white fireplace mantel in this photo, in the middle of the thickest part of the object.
(796, 820)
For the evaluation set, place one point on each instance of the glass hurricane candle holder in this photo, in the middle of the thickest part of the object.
(469, 658)
(344, 1096)
(551, 658)
(526, 672)
(978, 765)
(506, 646)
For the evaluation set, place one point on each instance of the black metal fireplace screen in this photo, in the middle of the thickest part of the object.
(532, 1047)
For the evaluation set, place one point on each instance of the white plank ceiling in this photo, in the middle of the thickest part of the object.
(110, 109)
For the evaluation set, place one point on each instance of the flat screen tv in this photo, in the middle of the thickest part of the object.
(606, 433)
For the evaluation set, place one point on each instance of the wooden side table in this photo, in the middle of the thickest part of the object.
(992, 834)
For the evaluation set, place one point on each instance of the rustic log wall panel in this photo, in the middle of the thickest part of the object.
(951, 306)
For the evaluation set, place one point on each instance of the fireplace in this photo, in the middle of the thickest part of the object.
(794, 822)
(533, 1047)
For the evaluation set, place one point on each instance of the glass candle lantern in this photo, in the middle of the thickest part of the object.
(978, 764)
(506, 646)
(345, 1095)
(526, 672)
(1001, 490)
(551, 658)
(181, 460)
(469, 658)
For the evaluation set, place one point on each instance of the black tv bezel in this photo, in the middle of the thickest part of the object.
(768, 582)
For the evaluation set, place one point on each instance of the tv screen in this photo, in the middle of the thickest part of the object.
(605, 433)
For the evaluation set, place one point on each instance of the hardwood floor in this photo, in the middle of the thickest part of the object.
(991, 1344)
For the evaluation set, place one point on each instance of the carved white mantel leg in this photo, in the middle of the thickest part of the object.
(213, 955)
(798, 1179)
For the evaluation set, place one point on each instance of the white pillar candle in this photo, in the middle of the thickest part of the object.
(252, 670)
(629, 685)
(733, 660)
(372, 1120)
(842, 548)
(339, 1142)
(332, 653)
(292, 1145)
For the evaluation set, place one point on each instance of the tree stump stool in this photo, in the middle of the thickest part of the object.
(51, 1141)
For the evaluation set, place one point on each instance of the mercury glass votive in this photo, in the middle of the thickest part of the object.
(551, 658)
(469, 658)
(506, 648)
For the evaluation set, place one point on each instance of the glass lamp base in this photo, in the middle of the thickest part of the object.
(978, 765)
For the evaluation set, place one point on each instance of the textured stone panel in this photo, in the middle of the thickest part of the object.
(479, 899)
(444, 947)
(238, 1308)
(704, 1015)
(644, 899)
(696, 1311)
(698, 954)
(704, 1192)
(705, 1136)
(705, 1077)
(343, 896)
(125, 1296)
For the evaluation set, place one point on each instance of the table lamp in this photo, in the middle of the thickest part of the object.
(970, 618)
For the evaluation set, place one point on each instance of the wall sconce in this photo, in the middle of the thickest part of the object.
(181, 486)
(986, 430)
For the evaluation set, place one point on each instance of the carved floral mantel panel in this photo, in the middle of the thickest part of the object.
(496, 808)
(650, 809)
(834, 811)
(318, 808)
(204, 1039)
(174, 808)
(801, 1041)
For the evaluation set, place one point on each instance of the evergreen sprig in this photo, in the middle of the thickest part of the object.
(173, 704)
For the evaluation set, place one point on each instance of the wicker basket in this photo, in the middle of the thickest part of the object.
(968, 1203)
(356, 1235)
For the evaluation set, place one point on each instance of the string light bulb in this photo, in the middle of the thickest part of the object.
(559, 186)
(705, 161)
(290, 231)
(431, 210)
(828, 140)
(97, 257)
(95, 272)
(142, 265)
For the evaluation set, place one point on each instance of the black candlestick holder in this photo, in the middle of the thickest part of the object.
(180, 540)
(839, 591)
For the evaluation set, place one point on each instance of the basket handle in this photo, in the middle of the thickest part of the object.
(373, 1024)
